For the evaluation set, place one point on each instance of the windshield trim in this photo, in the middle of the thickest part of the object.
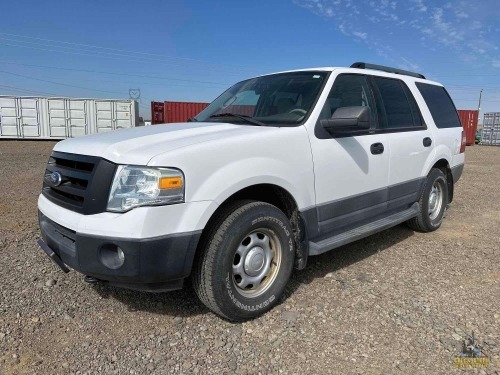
(327, 74)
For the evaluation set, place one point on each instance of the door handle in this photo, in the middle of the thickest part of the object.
(377, 148)
(427, 142)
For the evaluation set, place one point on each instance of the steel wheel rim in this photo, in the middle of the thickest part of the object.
(435, 200)
(256, 262)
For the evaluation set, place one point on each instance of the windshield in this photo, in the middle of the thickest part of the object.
(277, 99)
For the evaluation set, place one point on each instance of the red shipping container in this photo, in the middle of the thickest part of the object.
(469, 119)
(167, 112)
(157, 113)
(245, 110)
(182, 111)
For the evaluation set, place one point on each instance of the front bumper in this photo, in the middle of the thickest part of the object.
(152, 264)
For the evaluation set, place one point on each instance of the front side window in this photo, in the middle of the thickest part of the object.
(396, 106)
(277, 99)
(348, 90)
(440, 105)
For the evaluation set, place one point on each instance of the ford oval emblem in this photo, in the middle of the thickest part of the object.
(56, 178)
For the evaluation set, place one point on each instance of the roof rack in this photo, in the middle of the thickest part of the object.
(362, 65)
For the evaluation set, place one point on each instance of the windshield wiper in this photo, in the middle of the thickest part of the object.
(241, 117)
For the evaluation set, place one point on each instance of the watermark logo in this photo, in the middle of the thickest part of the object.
(472, 354)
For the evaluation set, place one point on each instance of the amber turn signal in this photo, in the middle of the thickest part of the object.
(170, 182)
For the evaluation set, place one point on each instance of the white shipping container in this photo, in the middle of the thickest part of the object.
(491, 120)
(490, 137)
(60, 118)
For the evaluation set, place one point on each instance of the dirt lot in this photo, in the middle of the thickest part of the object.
(396, 303)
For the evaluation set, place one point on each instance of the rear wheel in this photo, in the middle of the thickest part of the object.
(433, 203)
(246, 260)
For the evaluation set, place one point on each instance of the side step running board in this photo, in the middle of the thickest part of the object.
(316, 248)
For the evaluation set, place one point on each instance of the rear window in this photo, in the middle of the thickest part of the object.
(442, 109)
(398, 109)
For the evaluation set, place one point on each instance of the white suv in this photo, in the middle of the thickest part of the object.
(276, 169)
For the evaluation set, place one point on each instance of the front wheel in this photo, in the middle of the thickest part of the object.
(433, 203)
(246, 260)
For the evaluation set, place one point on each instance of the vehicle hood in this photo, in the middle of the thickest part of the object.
(139, 145)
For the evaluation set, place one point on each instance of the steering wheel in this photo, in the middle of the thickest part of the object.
(298, 110)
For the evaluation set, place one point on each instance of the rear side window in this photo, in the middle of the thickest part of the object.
(440, 105)
(397, 107)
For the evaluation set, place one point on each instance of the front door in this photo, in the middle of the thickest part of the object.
(351, 172)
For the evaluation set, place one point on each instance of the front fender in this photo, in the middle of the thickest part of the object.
(218, 168)
(254, 171)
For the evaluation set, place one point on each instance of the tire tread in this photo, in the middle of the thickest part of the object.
(417, 223)
(202, 275)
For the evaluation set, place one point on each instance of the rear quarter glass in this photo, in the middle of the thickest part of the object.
(443, 111)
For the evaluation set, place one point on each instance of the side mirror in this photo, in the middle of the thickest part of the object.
(347, 120)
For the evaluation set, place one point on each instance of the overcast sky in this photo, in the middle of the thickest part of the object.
(192, 51)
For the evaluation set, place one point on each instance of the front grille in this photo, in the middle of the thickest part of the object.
(84, 184)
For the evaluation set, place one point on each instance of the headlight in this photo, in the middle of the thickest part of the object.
(144, 186)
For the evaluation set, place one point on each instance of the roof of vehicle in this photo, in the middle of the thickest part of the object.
(369, 69)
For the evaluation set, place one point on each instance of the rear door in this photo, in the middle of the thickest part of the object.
(448, 130)
(122, 115)
(57, 118)
(113, 115)
(411, 141)
(28, 116)
(77, 117)
(104, 116)
(8, 117)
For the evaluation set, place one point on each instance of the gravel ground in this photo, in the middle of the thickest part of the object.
(398, 302)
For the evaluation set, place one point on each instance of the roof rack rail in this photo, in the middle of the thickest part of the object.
(362, 65)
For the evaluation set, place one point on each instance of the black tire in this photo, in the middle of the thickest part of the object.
(215, 282)
(424, 222)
